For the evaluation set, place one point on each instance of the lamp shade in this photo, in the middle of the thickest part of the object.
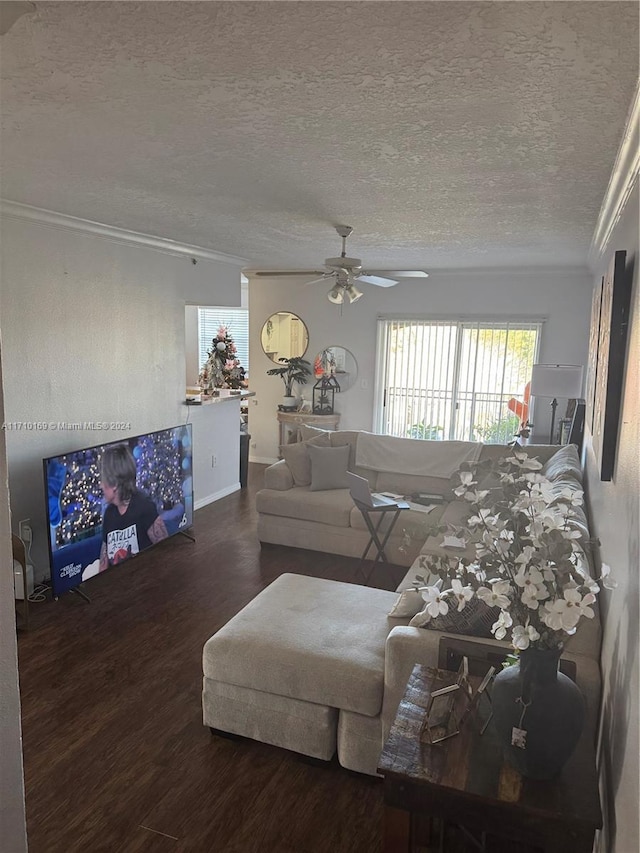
(336, 295)
(557, 380)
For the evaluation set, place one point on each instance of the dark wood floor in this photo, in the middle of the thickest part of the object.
(116, 756)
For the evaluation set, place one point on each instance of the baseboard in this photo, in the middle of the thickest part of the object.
(216, 496)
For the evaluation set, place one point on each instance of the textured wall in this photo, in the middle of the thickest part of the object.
(563, 298)
(92, 331)
(615, 513)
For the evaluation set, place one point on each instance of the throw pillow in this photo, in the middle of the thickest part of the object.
(564, 462)
(329, 467)
(409, 603)
(475, 620)
(306, 431)
(297, 458)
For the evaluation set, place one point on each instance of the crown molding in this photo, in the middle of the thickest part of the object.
(53, 219)
(624, 178)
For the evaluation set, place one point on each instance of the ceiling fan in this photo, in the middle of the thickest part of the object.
(344, 272)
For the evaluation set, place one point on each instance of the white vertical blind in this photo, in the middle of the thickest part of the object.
(237, 322)
(452, 379)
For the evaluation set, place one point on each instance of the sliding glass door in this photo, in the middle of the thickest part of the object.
(453, 379)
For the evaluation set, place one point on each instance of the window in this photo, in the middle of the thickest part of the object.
(453, 379)
(237, 322)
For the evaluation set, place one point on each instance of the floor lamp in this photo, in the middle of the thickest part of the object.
(556, 380)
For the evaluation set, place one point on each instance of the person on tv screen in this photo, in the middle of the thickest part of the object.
(131, 521)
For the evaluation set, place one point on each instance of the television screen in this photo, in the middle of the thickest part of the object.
(110, 502)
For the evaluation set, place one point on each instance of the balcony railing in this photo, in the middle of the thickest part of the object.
(433, 414)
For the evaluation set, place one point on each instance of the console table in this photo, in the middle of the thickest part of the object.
(290, 421)
(465, 781)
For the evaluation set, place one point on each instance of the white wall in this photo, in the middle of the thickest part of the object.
(93, 330)
(562, 297)
(13, 833)
(615, 516)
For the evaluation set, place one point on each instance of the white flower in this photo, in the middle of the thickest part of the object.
(483, 517)
(564, 613)
(521, 636)
(605, 575)
(533, 588)
(497, 596)
(466, 480)
(525, 555)
(499, 628)
(436, 604)
(523, 461)
(462, 593)
(575, 498)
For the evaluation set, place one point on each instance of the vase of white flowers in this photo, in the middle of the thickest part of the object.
(532, 568)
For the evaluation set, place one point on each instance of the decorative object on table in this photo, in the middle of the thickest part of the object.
(324, 392)
(538, 713)
(530, 565)
(344, 272)
(442, 715)
(556, 380)
(222, 368)
(291, 371)
(481, 707)
(612, 343)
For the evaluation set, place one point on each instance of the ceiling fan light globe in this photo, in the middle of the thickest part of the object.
(353, 293)
(336, 295)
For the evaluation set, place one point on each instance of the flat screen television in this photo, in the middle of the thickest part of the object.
(108, 503)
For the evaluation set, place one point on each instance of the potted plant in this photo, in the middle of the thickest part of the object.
(531, 566)
(292, 370)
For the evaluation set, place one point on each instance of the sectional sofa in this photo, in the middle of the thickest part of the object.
(318, 666)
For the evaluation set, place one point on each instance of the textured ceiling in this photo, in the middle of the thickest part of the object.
(447, 134)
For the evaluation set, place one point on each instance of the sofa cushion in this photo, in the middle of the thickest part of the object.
(332, 508)
(329, 468)
(564, 463)
(455, 514)
(300, 638)
(297, 457)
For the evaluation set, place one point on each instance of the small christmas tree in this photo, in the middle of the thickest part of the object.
(222, 368)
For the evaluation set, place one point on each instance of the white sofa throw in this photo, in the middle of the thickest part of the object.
(414, 456)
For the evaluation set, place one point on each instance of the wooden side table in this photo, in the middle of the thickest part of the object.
(290, 421)
(466, 782)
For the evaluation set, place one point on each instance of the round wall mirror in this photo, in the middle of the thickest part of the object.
(284, 335)
(338, 362)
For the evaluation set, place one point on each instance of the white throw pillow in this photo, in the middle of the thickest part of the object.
(410, 602)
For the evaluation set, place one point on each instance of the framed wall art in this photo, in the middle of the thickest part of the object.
(612, 342)
(592, 365)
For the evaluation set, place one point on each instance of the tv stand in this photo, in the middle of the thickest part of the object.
(77, 591)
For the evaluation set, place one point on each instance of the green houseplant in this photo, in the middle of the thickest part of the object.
(292, 370)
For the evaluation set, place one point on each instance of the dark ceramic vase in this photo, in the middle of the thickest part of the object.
(553, 717)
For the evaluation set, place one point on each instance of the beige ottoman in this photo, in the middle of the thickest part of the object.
(302, 651)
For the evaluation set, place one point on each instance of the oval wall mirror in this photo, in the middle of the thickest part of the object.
(284, 335)
(339, 362)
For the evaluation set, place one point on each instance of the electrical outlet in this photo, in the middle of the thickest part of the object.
(214, 461)
(24, 531)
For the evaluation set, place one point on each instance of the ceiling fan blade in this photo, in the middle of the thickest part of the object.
(322, 278)
(403, 273)
(276, 273)
(375, 279)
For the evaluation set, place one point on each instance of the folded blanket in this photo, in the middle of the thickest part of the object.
(414, 456)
